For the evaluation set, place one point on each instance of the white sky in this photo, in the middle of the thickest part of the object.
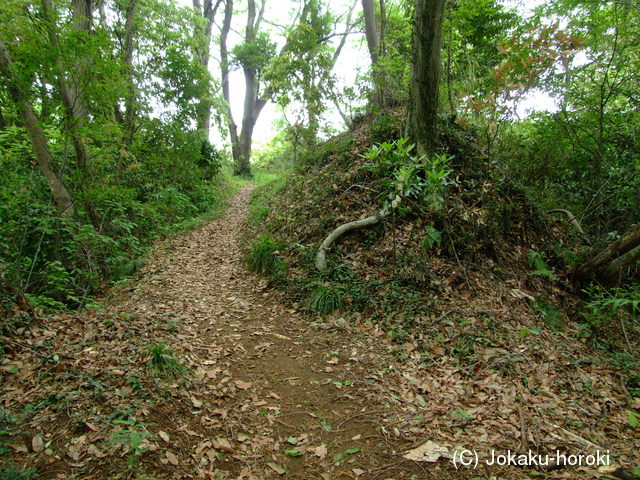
(354, 57)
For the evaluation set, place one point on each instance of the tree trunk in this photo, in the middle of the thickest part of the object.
(74, 103)
(61, 196)
(610, 261)
(130, 99)
(252, 108)
(203, 54)
(224, 70)
(371, 30)
(425, 75)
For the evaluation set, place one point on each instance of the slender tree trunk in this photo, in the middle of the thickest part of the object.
(371, 30)
(203, 53)
(130, 99)
(73, 104)
(425, 76)
(373, 44)
(73, 101)
(61, 196)
(224, 70)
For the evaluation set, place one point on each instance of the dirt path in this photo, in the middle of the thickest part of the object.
(277, 394)
(268, 381)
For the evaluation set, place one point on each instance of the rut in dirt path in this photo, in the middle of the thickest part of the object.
(274, 393)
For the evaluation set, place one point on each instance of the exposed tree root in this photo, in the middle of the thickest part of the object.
(321, 257)
(571, 218)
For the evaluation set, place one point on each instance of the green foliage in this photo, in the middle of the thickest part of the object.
(629, 364)
(255, 55)
(300, 76)
(133, 436)
(550, 314)
(325, 299)
(606, 303)
(432, 237)
(536, 260)
(11, 472)
(140, 180)
(162, 363)
(407, 177)
(264, 258)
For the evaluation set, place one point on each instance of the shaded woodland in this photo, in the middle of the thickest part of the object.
(478, 205)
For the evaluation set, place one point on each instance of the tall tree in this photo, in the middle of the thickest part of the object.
(61, 196)
(425, 75)
(72, 99)
(224, 71)
(302, 72)
(127, 60)
(207, 14)
(375, 36)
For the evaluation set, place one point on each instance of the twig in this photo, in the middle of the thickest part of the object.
(626, 337)
(363, 414)
(445, 315)
(524, 443)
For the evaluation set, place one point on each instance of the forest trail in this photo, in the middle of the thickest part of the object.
(275, 393)
(272, 393)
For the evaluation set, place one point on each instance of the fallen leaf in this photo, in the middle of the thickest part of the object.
(427, 452)
(173, 460)
(37, 443)
(321, 451)
(276, 468)
(357, 472)
(243, 385)
(164, 436)
(20, 448)
(222, 444)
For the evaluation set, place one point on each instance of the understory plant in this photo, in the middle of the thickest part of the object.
(163, 363)
(405, 176)
(264, 258)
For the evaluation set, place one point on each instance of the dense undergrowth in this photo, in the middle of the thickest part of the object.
(163, 186)
(465, 238)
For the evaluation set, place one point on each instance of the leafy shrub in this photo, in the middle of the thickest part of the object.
(325, 299)
(263, 257)
(408, 177)
(133, 437)
(536, 260)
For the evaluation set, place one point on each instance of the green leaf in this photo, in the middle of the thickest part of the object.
(634, 419)
(292, 440)
(292, 452)
(350, 451)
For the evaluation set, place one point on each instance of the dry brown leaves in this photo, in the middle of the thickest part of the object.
(272, 395)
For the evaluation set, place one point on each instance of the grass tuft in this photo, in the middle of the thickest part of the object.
(263, 257)
(162, 363)
(325, 299)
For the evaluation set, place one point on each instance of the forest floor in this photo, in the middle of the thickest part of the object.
(272, 392)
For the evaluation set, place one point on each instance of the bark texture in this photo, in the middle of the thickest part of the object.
(608, 265)
(321, 256)
(425, 75)
(208, 12)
